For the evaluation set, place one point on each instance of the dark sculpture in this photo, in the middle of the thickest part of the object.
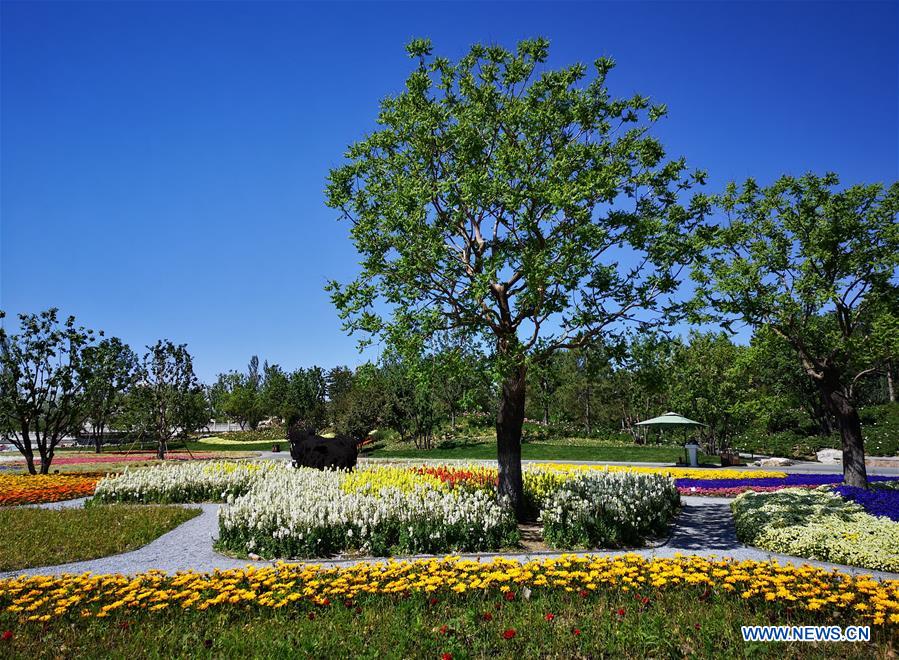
(307, 449)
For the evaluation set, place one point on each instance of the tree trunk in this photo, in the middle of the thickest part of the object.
(161, 449)
(453, 419)
(587, 411)
(45, 459)
(26, 449)
(98, 439)
(891, 388)
(509, 421)
(841, 407)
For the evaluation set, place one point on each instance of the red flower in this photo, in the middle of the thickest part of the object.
(443, 629)
(326, 602)
(432, 600)
(358, 610)
(645, 600)
(583, 593)
(348, 604)
(312, 616)
(509, 633)
(7, 635)
(509, 596)
(620, 611)
(575, 631)
(446, 656)
(549, 616)
(487, 616)
(697, 626)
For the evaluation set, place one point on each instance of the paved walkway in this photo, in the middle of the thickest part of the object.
(704, 527)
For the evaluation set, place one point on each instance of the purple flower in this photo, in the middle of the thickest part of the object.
(811, 480)
(878, 502)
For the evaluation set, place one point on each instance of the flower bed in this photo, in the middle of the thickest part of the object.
(817, 524)
(876, 501)
(41, 488)
(825, 593)
(278, 511)
(182, 483)
(309, 513)
(608, 509)
(124, 457)
(731, 487)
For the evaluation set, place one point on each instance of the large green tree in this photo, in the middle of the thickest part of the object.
(813, 263)
(523, 204)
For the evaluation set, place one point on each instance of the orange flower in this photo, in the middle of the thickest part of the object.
(39, 488)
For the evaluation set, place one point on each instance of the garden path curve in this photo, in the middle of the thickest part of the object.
(704, 527)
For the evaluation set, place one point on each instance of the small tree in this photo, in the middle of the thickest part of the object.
(456, 367)
(501, 200)
(109, 370)
(41, 384)
(167, 399)
(544, 380)
(813, 264)
(274, 391)
(706, 385)
(306, 399)
(358, 409)
(244, 401)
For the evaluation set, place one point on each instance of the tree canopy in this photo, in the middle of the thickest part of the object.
(815, 264)
(523, 205)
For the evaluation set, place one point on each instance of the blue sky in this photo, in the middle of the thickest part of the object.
(162, 164)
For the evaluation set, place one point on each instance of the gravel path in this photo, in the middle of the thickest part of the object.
(704, 527)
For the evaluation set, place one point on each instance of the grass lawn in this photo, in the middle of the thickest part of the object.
(238, 449)
(546, 451)
(119, 466)
(44, 537)
(612, 624)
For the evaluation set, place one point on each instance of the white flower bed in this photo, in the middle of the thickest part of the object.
(817, 524)
(275, 510)
(306, 513)
(602, 509)
(184, 482)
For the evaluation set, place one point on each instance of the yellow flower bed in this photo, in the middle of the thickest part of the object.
(373, 479)
(676, 472)
(217, 440)
(42, 598)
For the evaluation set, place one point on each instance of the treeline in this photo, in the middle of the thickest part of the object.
(412, 397)
(753, 397)
(61, 379)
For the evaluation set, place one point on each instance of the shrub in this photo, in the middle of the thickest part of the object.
(785, 443)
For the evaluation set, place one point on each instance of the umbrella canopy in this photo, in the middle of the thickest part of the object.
(670, 419)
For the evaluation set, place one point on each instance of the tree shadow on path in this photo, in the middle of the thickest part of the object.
(704, 527)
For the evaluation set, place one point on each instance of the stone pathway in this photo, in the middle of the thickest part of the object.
(704, 527)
